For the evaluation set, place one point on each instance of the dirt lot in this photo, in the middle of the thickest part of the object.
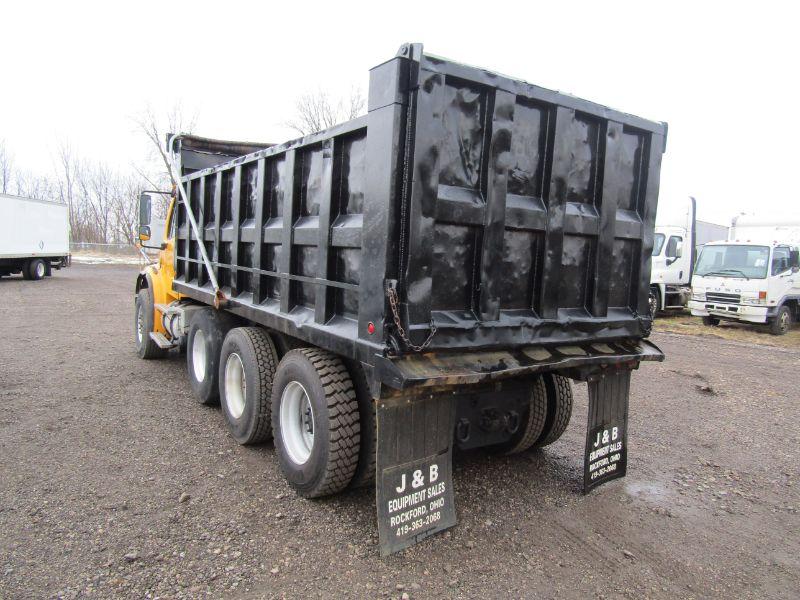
(683, 322)
(97, 447)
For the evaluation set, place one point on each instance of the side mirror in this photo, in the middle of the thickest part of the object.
(144, 232)
(679, 250)
(794, 259)
(144, 213)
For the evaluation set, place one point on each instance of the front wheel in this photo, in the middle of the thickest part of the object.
(315, 422)
(654, 302)
(782, 322)
(143, 318)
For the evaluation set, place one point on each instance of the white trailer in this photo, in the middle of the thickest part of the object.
(34, 236)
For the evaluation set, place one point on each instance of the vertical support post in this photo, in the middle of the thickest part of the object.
(324, 229)
(424, 196)
(202, 275)
(556, 209)
(495, 214)
(655, 147)
(236, 210)
(611, 151)
(385, 136)
(217, 222)
(191, 268)
(288, 229)
(258, 234)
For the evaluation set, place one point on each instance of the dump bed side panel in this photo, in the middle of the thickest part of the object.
(282, 228)
(530, 213)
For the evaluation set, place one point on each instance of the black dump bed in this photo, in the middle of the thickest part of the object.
(504, 215)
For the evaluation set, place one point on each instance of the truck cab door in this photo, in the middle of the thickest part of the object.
(678, 261)
(784, 276)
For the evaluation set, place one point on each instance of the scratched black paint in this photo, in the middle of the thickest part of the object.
(507, 214)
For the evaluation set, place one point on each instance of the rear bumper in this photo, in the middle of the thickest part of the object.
(737, 312)
(465, 368)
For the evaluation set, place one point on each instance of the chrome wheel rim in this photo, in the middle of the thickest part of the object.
(199, 355)
(235, 385)
(40, 270)
(784, 321)
(297, 422)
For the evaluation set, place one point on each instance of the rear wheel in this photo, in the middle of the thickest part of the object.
(782, 322)
(710, 321)
(143, 318)
(315, 422)
(559, 408)
(204, 345)
(532, 421)
(365, 471)
(246, 368)
(37, 269)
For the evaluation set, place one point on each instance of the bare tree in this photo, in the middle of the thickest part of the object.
(6, 167)
(155, 129)
(317, 111)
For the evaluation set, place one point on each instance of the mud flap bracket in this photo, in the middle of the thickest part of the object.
(606, 453)
(414, 470)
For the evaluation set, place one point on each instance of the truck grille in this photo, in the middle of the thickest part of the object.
(724, 298)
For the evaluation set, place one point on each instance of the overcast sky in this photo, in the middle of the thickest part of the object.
(723, 75)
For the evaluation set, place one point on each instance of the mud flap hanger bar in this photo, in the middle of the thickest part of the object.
(219, 296)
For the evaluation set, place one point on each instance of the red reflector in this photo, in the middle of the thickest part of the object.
(370, 327)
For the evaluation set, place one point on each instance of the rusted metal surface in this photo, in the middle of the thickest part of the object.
(466, 368)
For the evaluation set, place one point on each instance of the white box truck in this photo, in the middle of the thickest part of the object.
(678, 238)
(34, 236)
(753, 277)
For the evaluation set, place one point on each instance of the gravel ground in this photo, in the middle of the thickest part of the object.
(115, 483)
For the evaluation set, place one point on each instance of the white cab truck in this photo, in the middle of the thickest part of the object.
(34, 236)
(753, 277)
(678, 238)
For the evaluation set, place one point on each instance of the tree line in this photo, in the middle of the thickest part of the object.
(103, 201)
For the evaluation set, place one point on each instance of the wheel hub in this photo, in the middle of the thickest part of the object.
(297, 422)
(235, 385)
(199, 355)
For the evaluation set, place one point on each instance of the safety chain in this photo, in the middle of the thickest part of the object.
(391, 293)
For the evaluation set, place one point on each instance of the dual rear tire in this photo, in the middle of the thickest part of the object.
(547, 417)
(307, 400)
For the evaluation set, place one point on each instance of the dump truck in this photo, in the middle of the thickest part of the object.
(34, 236)
(431, 275)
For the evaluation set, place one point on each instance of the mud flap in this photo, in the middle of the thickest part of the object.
(414, 470)
(606, 454)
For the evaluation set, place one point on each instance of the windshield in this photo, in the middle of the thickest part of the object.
(658, 243)
(734, 261)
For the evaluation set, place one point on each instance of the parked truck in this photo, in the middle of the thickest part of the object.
(678, 240)
(752, 277)
(34, 236)
(433, 274)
